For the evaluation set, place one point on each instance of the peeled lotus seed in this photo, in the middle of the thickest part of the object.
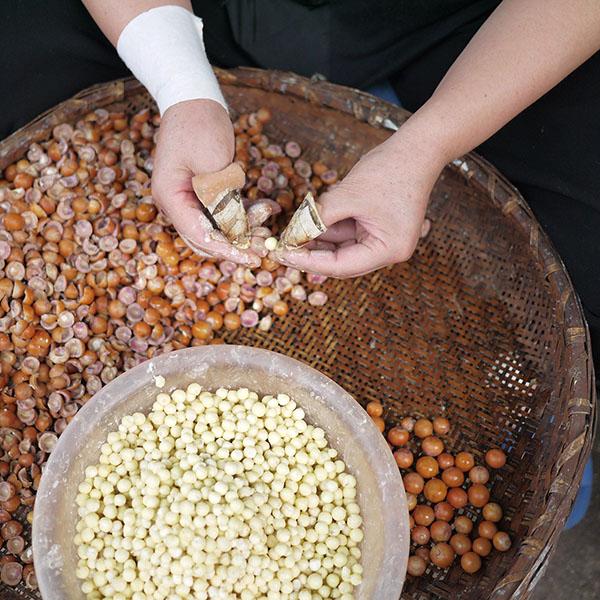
(271, 243)
(222, 491)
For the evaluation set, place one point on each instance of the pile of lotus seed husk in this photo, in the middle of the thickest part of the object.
(93, 280)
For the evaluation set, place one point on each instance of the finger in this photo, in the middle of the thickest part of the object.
(195, 248)
(340, 232)
(198, 232)
(313, 245)
(216, 245)
(349, 261)
(319, 244)
(334, 206)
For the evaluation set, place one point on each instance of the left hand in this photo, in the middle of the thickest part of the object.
(195, 137)
(375, 215)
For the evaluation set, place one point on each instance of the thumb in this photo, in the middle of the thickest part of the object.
(335, 205)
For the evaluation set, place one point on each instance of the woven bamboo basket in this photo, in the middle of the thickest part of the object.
(482, 324)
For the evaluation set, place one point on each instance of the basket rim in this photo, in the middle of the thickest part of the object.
(576, 389)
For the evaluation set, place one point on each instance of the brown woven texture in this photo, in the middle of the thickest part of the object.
(481, 324)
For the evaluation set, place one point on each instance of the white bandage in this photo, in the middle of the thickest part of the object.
(164, 49)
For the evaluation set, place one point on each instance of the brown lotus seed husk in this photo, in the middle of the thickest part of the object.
(219, 193)
(304, 226)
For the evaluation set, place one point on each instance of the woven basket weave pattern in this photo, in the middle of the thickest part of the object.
(482, 323)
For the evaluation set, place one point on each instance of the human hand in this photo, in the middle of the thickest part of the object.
(375, 215)
(195, 137)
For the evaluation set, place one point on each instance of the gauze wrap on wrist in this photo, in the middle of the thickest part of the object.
(164, 49)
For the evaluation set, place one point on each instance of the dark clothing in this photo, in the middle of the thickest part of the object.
(51, 50)
(352, 42)
(551, 152)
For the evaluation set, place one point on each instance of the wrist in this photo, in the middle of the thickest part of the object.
(198, 108)
(430, 134)
(416, 145)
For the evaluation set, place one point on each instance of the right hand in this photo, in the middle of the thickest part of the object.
(195, 137)
(376, 214)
